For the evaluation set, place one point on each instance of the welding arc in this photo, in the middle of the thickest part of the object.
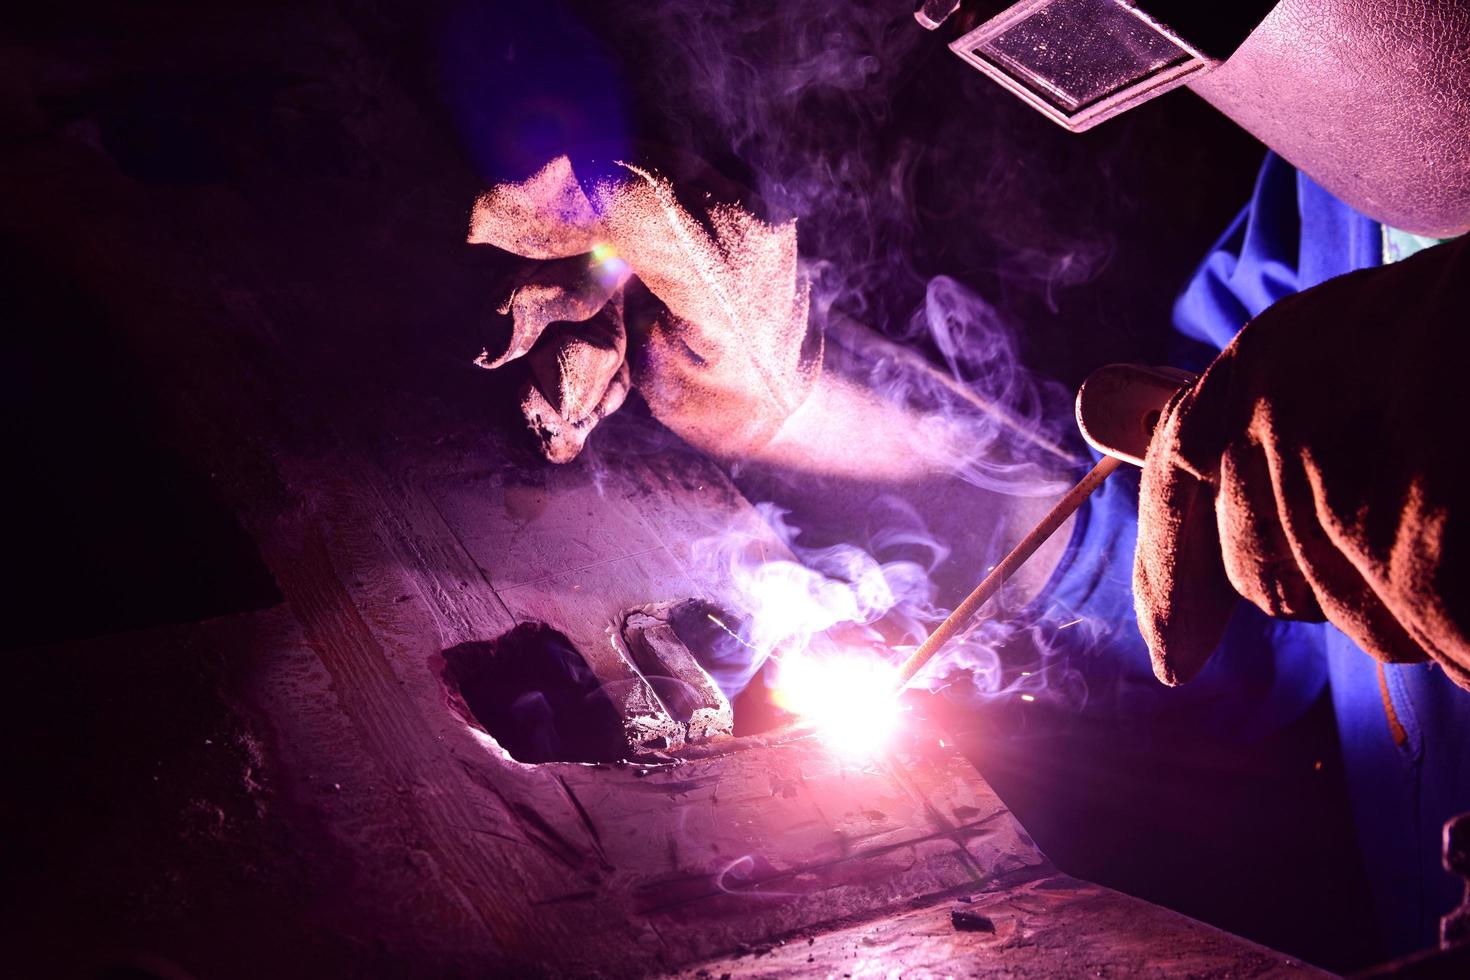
(991, 584)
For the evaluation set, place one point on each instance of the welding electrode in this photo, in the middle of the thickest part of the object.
(1117, 408)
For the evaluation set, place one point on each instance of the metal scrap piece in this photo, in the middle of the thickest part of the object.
(685, 688)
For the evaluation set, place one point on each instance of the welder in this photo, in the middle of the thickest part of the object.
(1316, 469)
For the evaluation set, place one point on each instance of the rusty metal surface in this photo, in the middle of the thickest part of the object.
(1041, 925)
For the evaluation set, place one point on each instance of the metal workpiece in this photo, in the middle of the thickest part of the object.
(1035, 923)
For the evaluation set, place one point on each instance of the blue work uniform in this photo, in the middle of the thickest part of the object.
(1404, 728)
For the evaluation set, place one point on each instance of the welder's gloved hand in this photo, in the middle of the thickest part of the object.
(1319, 469)
(706, 318)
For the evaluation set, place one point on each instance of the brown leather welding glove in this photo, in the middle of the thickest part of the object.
(718, 343)
(1319, 469)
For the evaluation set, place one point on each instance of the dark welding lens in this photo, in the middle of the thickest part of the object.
(1082, 61)
(1079, 61)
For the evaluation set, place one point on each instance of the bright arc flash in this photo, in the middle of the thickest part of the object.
(609, 267)
(851, 700)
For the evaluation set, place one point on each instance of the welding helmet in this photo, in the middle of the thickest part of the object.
(1082, 61)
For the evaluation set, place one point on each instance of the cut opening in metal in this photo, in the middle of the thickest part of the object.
(532, 692)
(661, 685)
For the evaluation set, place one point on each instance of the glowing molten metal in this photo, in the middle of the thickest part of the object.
(851, 700)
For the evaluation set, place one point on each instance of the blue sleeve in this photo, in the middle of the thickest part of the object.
(1265, 675)
(1253, 265)
(1291, 236)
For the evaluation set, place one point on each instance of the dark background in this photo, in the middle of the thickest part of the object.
(901, 162)
(1081, 241)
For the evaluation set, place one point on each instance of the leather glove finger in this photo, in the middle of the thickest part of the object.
(736, 298)
(1257, 554)
(1288, 545)
(545, 216)
(1348, 598)
(561, 440)
(566, 291)
(579, 375)
(1182, 597)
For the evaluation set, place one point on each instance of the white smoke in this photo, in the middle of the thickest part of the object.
(800, 103)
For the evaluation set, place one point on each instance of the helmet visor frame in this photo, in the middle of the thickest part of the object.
(1080, 62)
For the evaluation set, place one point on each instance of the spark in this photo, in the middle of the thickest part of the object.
(1028, 697)
(734, 635)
